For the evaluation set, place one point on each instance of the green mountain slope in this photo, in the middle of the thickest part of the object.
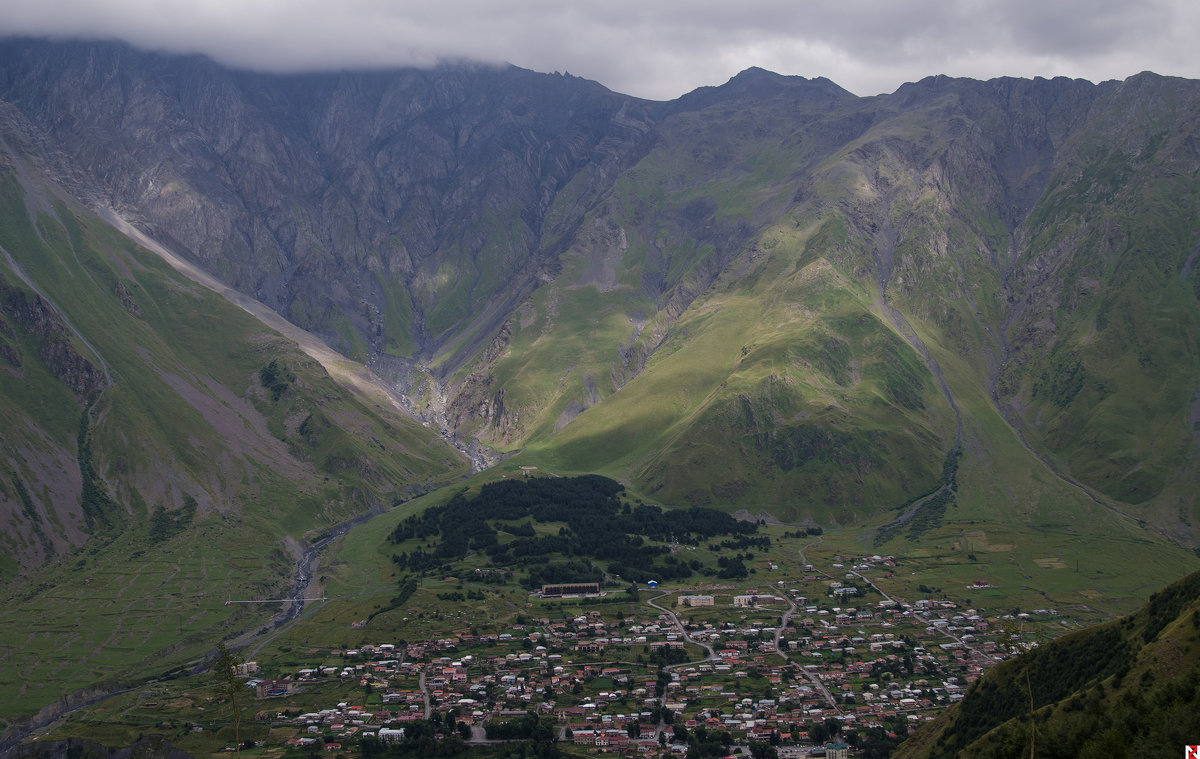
(855, 295)
(164, 453)
(720, 357)
(1105, 345)
(1125, 688)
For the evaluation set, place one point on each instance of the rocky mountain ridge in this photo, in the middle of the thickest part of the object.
(459, 229)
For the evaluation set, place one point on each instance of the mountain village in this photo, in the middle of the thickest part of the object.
(808, 670)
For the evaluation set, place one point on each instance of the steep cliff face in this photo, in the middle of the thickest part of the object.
(42, 488)
(390, 212)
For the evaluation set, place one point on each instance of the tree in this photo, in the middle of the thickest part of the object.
(760, 750)
(817, 732)
(229, 684)
(833, 725)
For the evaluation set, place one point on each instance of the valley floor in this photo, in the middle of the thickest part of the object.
(827, 655)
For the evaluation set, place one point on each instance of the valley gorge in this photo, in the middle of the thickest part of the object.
(238, 309)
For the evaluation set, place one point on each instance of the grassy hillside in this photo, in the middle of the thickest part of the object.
(1125, 688)
(1105, 361)
(806, 309)
(163, 453)
(699, 344)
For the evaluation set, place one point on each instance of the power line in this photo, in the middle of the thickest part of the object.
(277, 601)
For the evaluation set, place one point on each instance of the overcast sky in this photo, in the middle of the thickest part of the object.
(657, 49)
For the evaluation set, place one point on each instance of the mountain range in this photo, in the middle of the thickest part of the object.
(246, 308)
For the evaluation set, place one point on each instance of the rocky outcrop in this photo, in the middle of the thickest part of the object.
(30, 313)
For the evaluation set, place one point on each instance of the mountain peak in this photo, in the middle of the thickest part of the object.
(760, 84)
(760, 78)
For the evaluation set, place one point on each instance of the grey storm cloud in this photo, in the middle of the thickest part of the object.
(654, 48)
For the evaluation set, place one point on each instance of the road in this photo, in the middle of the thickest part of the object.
(873, 585)
(712, 655)
(425, 694)
(812, 676)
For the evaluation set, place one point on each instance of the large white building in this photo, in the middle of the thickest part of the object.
(391, 735)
